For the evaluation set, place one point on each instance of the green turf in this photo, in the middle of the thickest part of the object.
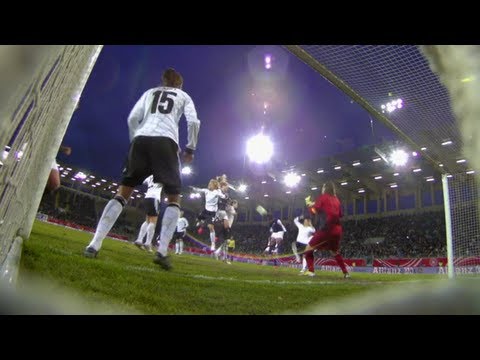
(125, 278)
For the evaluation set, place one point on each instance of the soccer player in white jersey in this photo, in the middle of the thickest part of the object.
(151, 204)
(305, 233)
(212, 194)
(181, 231)
(154, 150)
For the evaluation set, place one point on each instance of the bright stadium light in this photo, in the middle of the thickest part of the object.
(291, 179)
(268, 62)
(399, 157)
(242, 188)
(186, 170)
(259, 148)
(391, 106)
(80, 176)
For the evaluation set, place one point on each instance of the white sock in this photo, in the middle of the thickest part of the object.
(177, 247)
(109, 216)
(169, 224)
(304, 263)
(143, 231)
(150, 233)
(181, 246)
(212, 240)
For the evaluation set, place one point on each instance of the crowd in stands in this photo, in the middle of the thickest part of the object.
(413, 235)
(82, 209)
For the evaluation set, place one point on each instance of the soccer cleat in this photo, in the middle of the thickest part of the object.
(302, 271)
(309, 273)
(90, 252)
(346, 276)
(148, 248)
(139, 245)
(163, 261)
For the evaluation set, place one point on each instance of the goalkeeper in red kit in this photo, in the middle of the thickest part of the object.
(327, 206)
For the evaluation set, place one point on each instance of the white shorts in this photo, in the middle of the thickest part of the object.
(221, 215)
(54, 165)
(278, 235)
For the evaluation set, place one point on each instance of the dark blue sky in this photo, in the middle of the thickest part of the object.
(308, 117)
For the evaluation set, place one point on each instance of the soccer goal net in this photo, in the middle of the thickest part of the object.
(437, 116)
(41, 86)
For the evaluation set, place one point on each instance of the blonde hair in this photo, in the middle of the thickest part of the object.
(213, 183)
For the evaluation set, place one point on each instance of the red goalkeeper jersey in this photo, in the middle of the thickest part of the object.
(330, 207)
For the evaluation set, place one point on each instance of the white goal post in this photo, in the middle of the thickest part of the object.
(41, 87)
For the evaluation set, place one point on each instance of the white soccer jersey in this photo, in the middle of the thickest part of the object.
(211, 198)
(182, 224)
(304, 232)
(154, 189)
(158, 112)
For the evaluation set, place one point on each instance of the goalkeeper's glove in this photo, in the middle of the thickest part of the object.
(308, 201)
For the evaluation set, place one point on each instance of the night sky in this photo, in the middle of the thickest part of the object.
(307, 117)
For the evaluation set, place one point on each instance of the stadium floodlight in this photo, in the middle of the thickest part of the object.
(264, 181)
(319, 171)
(338, 167)
(268, 62)
(259, 148)
(292, 179)
(391, 106)
(448, 142)
(266, 195)
(461, 161)
(246, 198)
(393, 186)
(80, 176)
(399, 157)
(417, 170)
(378, 177)
(361, 190)
(242, 188)
(423, 148)
(356, 163)
(470, 172)
(186, 170)
(344, 183)
(314, 188)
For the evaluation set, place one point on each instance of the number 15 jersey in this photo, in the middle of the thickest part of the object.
(158, 112)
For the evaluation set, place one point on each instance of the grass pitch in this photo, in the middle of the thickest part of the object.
(124, 280)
